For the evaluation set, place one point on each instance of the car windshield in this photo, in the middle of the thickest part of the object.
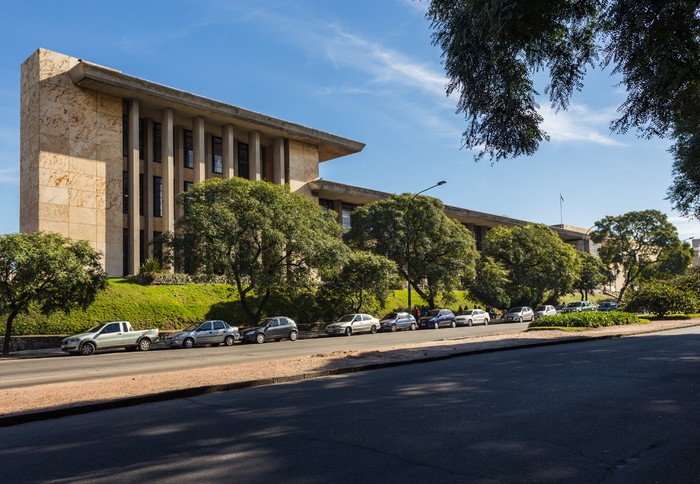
(433, 312)
(540, 308)
(96, 328)
(265, 322)
(391, 316)
(515, 310)
(467, 312)
(347, 318)
(192, 327)
(574, 305)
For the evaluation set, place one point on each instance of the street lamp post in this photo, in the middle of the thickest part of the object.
(408, 240)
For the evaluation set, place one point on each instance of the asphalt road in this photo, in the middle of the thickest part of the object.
(621, 410)
(55, 366)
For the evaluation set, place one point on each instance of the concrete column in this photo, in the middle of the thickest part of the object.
(338, 207)
(199, 150)
(179, 166)
(228, 146)
(133, 167)
(278, 161)
(148, 187)
(167, 147)
(254, 155)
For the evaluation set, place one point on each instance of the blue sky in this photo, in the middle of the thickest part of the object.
(365, 70)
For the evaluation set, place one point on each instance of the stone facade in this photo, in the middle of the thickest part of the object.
(104, 155)
(71, 163)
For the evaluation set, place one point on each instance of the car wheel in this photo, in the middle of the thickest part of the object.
(373, 329)
(348, 331)
(486, 322)
(293, 336)
(436, 325)
(413, 326)
(87, 349)
(470, 322)
(229, 340)
(393, 328)
(188, 343)
(260, 338)
(453, 324)
(145, 344)
(520, 319)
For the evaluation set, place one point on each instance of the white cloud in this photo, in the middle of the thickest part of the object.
(579, 123)
(9, 176)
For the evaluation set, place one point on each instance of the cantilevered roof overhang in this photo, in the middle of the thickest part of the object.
(110, 81)
(361, 196)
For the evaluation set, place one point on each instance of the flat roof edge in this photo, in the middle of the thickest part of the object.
(86, 71)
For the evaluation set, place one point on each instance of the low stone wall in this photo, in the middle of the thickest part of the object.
(19, 343)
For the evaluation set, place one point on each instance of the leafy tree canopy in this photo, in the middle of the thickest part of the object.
(414, 232)
(362, 284)
(540, 265)
(492, 50)
(594, 273)
(47, 270)
(490, 283)
(632, 243)
(263, 238)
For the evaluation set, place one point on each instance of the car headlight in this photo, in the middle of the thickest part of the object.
(70, 340)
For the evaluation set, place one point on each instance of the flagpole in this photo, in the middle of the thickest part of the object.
(561, 211)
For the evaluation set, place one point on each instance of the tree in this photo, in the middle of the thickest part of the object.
(47, 270)
(673, 260)
(415, 233)
(364, 280)
(594, 273)
(662, 297)
(490, 283)
(492, 51)
(260, 236)
(540, 265)
(632, 243)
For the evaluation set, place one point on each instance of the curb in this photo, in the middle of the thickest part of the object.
(80, 409)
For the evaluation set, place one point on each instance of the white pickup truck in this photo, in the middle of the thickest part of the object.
(113, 334)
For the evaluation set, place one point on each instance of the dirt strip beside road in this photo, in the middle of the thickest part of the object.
(63, 395)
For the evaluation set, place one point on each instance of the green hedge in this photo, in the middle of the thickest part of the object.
(592, 319)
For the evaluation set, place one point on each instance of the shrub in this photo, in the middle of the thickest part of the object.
(660, 298)
(592, 319)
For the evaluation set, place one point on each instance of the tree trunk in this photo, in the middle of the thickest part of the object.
(8, 333)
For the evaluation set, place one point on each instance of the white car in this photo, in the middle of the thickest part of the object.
(519, 314)
(469, 317)
(546, 310)
(354, 323)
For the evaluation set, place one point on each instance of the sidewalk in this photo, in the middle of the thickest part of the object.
(21, 405)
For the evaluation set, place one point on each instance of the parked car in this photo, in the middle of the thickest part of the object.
(469, 317)
(436, 318)
(205, 333)
(608, 306)
(354, 323)
(396, 321)
(559, 307)
(519, 314)
(112, 334)
(578, 306)
(545, 310)
(273, 328)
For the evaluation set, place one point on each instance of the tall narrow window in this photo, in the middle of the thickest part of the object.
(125, 191)
(157, 148)
(217, 158)
(125, 251)
(158, 247)
(188, 148)
(141, 190)
(143, 247)
(142, 139)
(327, 206)
(157, 196)
(345, 217)
(187, 186)
(243, 160)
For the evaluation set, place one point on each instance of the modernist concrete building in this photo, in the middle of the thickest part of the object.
(104, 156)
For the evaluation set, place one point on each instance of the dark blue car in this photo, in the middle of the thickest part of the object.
(437, 318)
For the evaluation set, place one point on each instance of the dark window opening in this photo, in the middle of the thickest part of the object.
(125, 192)
(243, 170)
(142, 139)
(328, 207)
(141, 190)
(157, 196)
(217, 159)
(188, 149)
(346, 215)
(157, 139)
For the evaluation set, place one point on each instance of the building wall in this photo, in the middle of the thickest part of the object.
(303, 166)
(71, 163)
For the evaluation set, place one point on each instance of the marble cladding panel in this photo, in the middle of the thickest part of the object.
(49, 226)
(82, 199)
(51, 147)
(54, 66)
(82, 231)
(303, 166)
(82, 166)
(53, 118)
(58, 195)
(53, 212)
(29, 72)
